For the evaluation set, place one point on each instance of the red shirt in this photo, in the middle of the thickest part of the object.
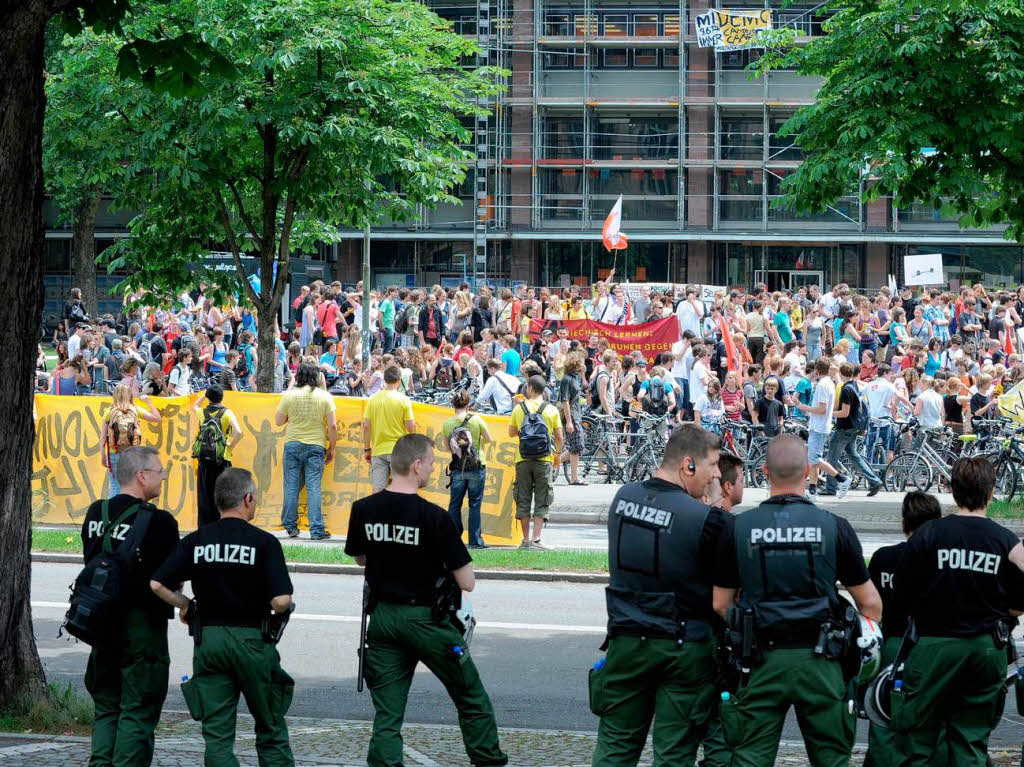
(731, 399)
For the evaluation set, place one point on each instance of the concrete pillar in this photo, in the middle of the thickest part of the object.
(523, 261)
(876, 264)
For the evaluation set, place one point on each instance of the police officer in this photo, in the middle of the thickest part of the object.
(660, 661)
(956, 581)
(918, 508)
(784, 558)
(408, 546)
(240, 583)
(127, 678)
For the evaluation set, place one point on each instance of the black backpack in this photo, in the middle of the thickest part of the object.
(243, 370)
(534, 435)
(402, 320)
(77, 312)
(96, 608)
(656, 401)
(861, 418)
(594, 394)
(464, 455)
(444, 374)
(210, 442)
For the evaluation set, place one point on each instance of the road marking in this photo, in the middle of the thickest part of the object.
(549, 627)
(418, 757)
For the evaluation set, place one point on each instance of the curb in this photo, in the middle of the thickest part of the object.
(543, 576)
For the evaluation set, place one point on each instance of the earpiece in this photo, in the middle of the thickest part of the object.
(692, 467)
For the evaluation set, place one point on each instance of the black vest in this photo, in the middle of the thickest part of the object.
(656, 586)
(786, 552)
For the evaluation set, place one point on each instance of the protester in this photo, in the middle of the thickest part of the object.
(122, 429)
(216, 438)
(466, 435)
(387, 418)
(538, 427)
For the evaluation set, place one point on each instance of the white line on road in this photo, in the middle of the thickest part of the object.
(549, 627)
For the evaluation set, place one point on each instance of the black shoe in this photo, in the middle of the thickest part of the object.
(826, 492)
(873, 490)
(322, 537)
(293, 533)
(479, 546)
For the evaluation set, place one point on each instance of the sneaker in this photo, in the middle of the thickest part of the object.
(537, 545)
(293, 533)
(843, 487)
(322, 537)
(525, 545)
(873, 490)
(479, 546)
(812, 493)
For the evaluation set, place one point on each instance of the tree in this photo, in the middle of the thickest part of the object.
(85, 143)
(22, 44)
(338, 113)
(926, 95)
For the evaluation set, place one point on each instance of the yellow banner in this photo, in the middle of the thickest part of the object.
(68, 474)
(1011, 404)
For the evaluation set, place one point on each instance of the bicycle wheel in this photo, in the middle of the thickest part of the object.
(1007, 471)
(907, 472)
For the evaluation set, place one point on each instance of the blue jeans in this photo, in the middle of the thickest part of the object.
(813, 352)
(115, 486)
(389, 341)
(842, 444)
(881, 434)
(473, 482)
(303, 463)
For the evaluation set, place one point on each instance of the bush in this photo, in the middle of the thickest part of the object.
(64, 711)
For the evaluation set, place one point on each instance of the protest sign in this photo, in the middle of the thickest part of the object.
(731, 30)
(650, 338)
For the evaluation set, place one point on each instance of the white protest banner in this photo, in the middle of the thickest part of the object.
(731, 30)
(633, 289)
(923, 269)
(708, 293)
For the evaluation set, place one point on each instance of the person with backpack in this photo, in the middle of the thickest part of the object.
(179, 382)
(217, 436)
(657, 394)
(538, 427)
(466, 434)
(407, 322)
(445, 370)
(570, 390)
(852, 413)
(122, 429)
(152, 348)
(126, 624)
(248, 360)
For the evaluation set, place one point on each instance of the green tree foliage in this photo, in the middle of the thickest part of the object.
(326, 114)
(899, 78)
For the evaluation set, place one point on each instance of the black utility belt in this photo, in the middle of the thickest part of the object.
(232, 624)
(692, 631)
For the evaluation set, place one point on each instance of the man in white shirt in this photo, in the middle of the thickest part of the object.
(500, 387)
(690, 311)
(819, 425)
(952, 355)
(75, 340)
(700, 374)
(882, 396)
(830, 303)
(680, 349)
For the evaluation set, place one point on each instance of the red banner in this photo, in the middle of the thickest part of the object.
(650, 338)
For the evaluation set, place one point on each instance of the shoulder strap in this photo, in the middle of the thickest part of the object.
(465, 421)
(504, 385)
(126, 551)
(108, 528)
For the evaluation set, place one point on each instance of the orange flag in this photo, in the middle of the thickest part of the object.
(610, 234)
(730, 347)
(1008, 346)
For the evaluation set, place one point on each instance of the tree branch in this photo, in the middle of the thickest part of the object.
(243, 214)
(233, 244)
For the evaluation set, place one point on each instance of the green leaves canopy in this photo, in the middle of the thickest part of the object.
(899, 78)
(312, 115)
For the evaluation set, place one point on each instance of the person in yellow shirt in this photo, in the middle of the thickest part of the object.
(386, 419)
(309, 441)
(207, 469)
(577, 311)
(540, 448)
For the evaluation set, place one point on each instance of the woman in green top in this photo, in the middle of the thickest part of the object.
(466, 434)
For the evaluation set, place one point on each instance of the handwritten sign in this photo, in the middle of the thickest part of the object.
(708, 293)
(67, 474)
(732, 30)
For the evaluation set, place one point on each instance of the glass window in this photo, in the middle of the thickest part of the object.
(739, 59)
(557, 25)
(644, 138)
(996, 266)
(645, 24)
(615, 58)
(671, 24)
(645, 58)
(563, 138)
(615, 24)
(646, 181)
(781, 147)
(58, 257)
(558, 60)
(554, 181)
(585, 24)
(739, 181)
(561, 208)
(739, 210)
(742, 136)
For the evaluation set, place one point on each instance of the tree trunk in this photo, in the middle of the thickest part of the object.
(84, 239)
(265, 325)
(22, 29)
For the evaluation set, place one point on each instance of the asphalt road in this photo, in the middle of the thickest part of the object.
(533, 646)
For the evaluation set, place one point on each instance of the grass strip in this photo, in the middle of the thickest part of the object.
(558, 560)
(64, 712)
(1007, 509)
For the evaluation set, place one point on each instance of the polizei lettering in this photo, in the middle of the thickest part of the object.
(648, 514)
(785, 535)
(965, 559)
(230, 553)
(382, 533)
(95, 530)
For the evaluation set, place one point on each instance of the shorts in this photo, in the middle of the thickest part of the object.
(574, 441)
(533, 487)
(815, 446)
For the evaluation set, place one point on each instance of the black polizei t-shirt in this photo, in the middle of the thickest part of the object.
(161, 538)
(235, 569)
(848, 395)
(955, 578)
(882, 568)
(408, 542)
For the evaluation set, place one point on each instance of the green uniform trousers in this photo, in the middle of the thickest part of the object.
(812, 685)
(951, 684)
(662, 680)
(881, 751)
(232, 660)
(399, 637)
(127, 680)
(716, 751)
